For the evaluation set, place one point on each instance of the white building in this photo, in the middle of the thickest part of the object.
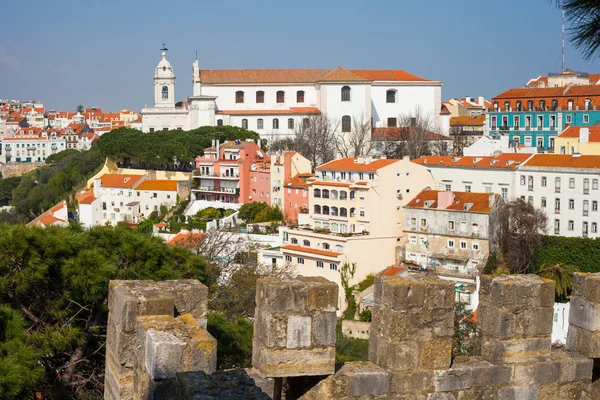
(116, 198)
(490, 145)
(496, 174)
(274, 102)
(566, 188)
(31, 145)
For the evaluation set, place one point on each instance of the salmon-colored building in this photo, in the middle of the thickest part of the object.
(289, 172)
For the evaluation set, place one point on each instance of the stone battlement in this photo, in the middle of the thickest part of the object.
(157, 346)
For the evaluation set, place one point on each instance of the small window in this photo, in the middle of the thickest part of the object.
(423, 223)
(288, 258)
(463, 245)
(325, 246)
(280, 96)
(346, 123)
(260, 96)
(392, 122)
(450, 244)
(305, 123)
(333, 266)
(571, 226)
(571, 183)
(291, 123)
(260, 123)
(346, 93)
(319, 264)
(219, 122)
(544, 181)
(275, 123)
(300, 260)
(165, 93)
(245, 123)
(594, 184)
(300, 96)
(294, 241)
(543, 203)
(306, 243)
(239, 96)
(391, 96)
(450, 225)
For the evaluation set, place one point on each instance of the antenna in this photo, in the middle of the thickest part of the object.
(562, 8)
(164, 48)
(196, 55)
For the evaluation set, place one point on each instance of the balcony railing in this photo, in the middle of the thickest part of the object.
(539, 128)
(217, 189)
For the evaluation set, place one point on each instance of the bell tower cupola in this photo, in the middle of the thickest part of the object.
(164, 83)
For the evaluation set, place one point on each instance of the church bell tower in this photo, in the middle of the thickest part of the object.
(164, 83)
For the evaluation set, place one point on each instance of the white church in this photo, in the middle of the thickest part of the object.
(273, 102)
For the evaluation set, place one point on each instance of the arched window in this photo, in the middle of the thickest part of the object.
(326, 246)
(334, 194)
(390, 96)
(529, 105)
(346, 93)
(275, 123)
(554, 104)
(343, 212)
(317, 209)
(317, 225)
(239, 96)
(300, 96)
(352, 212)
(543, 105)
(306, 243)
(280, 96)
(496, 106)
(588, 104)
(346, 123)
(259, 123)
(219, 122)
(352, 194)
(291, 123)
(305, 123)
(339, 248)
(317, 193)
(165, 93)
(506, 105)
(343, 228)
(343, 195)
(334, 227)
(294, 241)
(325, 210)
(570, 104)
(334, 211)
(260, 96)
(519, 105)
(325, 193)
(245, 123)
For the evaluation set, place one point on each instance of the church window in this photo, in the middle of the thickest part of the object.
(219, 122)
(300, 96)
(346, 93)
(245, 123)
(280, 96)
(275, 123)
(165, 93)
(346, 123)
(259, 123)
(291, 123)
(260, 96)
(239, 96)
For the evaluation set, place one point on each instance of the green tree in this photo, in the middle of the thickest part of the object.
(209, 214)
(234, 340)
(561, 274)
(80, 108)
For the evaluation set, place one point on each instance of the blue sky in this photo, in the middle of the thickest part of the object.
(103, 52)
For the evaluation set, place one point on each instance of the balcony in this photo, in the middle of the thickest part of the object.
(539, 128)
(326, 231)
(528, 128)
(216, 189)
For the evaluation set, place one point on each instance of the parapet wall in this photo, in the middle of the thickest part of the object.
(158, 348)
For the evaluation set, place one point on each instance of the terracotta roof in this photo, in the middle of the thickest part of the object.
(161, 225)
(594, 78)
(563, 161)
(330, 183)
(444, 110)
(468, 121)
(311, 250)
(361, 183)
(480, 202)
(86, 197)
(290, 111)
(504, 160)
(120, 181)
(402, 134)
(224, 76)
(573, 132)
(391, 271)
(530, 92)
(49, 219)
(230, 144)
(165, 185)
(58, 207)
(583, 90)
(298, 180)
(351, 164)
(181, 237)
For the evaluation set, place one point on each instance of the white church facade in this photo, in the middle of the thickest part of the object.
(273, 102)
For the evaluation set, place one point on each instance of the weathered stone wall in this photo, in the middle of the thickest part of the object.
(356, 329)
(411, 338)
(12, 170)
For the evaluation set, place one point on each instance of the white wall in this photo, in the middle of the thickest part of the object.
(480, 179)
(408, 100)
(226, 96)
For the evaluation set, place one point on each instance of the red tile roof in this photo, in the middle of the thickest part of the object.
(530, 92)
(86, 197)
(120, 181)
(181, 239)
(311, 250)
(504, 160)
(563, 161)
(58, 207)
(573, 132)
(159, 185)
(467, 121)
(290, 111)
(49, 219)
(402, 134)
(298, 180)
(304, 76)
(391, 271)
(330, 183)
(480, 202)
(350, 164)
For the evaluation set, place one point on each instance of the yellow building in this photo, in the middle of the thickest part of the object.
(582, 140)
(128, 116)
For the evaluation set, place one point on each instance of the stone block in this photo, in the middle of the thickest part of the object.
(164, 354)
(411, 292)
(156, 302)
(584, 314)
(435, 354)
(510, 323)
(125, 310)
(371, 382)
(578, 281)
(299, 331)
(591, 286)
(452, 379)
(536, 373)
(322, 295)
(190, 297)
(270, 329)
(519, 393)
(412, 381)
(587, 342)
(200, 353)
(441, 396)
(573, 366)
(121, 345)
(323, 329)
(275, 363)
(517, 291)
(484, 374)
(278, 296)
(522, 350)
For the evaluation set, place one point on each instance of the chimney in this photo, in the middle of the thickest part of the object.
(492, 200)
(97, 186)
(445, 199)
(481, 101)
(218, 148)
(584, 135)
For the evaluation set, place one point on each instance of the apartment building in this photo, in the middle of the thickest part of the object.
(289, 191)
(451, 231)
(489, 174)
(118, 198)
(566, 188)
(31, 145)
(581, 140)
(355, 212)
(232, 172)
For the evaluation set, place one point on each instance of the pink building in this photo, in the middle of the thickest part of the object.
(260, 181)
(289, 172)
(226, 171)
(295, 197)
